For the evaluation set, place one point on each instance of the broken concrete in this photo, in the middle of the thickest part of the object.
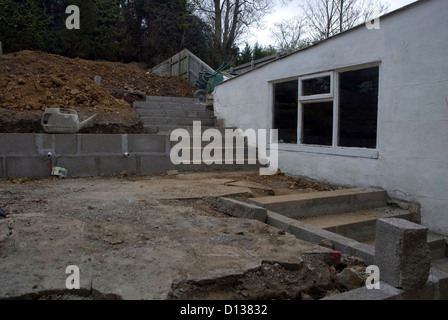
(241, 209)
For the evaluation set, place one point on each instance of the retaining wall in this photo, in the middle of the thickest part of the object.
(84, 155)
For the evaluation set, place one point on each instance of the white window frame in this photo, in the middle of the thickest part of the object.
(333, 96)
(317, 96)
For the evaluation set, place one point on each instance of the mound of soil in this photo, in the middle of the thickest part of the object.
(32, 81)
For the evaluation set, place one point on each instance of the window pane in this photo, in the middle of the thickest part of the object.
(315, 86)
(285, 111)
(358, 108)
(318, 123)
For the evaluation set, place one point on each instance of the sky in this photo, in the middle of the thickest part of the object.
(291, 10)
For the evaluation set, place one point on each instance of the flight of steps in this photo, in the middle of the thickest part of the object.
(351, 213)
(162, 115)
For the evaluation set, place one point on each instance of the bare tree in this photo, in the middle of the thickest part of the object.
(326, 18)
(288, 34)
(230, 19)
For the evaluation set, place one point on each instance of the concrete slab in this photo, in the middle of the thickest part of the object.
(323, 203)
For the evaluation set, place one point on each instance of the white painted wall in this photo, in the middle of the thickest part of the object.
(412, 46)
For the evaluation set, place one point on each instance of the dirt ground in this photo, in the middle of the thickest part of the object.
(32, 81)
(157, 237)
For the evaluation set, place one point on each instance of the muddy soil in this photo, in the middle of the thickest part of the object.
(32, 81)
(155, 237)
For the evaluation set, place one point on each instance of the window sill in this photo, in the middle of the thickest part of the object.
(334, 151)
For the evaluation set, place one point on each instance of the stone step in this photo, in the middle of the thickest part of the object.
(217, 167)
(179, 122)
(357, 225)
(323, 203)
(194, 140)
(167, 129)
(142, 112)
(172, 99)
(157, 105)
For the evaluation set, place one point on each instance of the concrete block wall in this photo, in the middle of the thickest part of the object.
(33, 155)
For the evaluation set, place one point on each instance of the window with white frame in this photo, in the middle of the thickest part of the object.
(334, 109)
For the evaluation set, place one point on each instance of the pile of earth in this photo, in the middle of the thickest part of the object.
(31, 82)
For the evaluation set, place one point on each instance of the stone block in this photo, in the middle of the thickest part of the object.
(79, 166)
(30, 167)
(155, 164)
(111, 166)
(66, 144)
(101, 144)
(14, 144)
(402, 253)
(241, 209)
(144, 143)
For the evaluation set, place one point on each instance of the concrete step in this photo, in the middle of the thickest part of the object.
(143, 112)
(179, 122)
(357, 225)
(157, 105)
(172, 99)
(167, 129)
(217, 167)
(323, 203)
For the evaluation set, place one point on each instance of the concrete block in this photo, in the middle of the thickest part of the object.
(44, 141)
(1, 168)
(14, 144)
(66, 144)
(111, 166)
(241, 209)
(79, 166)
(155, 164)
(402, 253)
(142, 143)
(100, 143)
(30, 167)
(278, 221)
